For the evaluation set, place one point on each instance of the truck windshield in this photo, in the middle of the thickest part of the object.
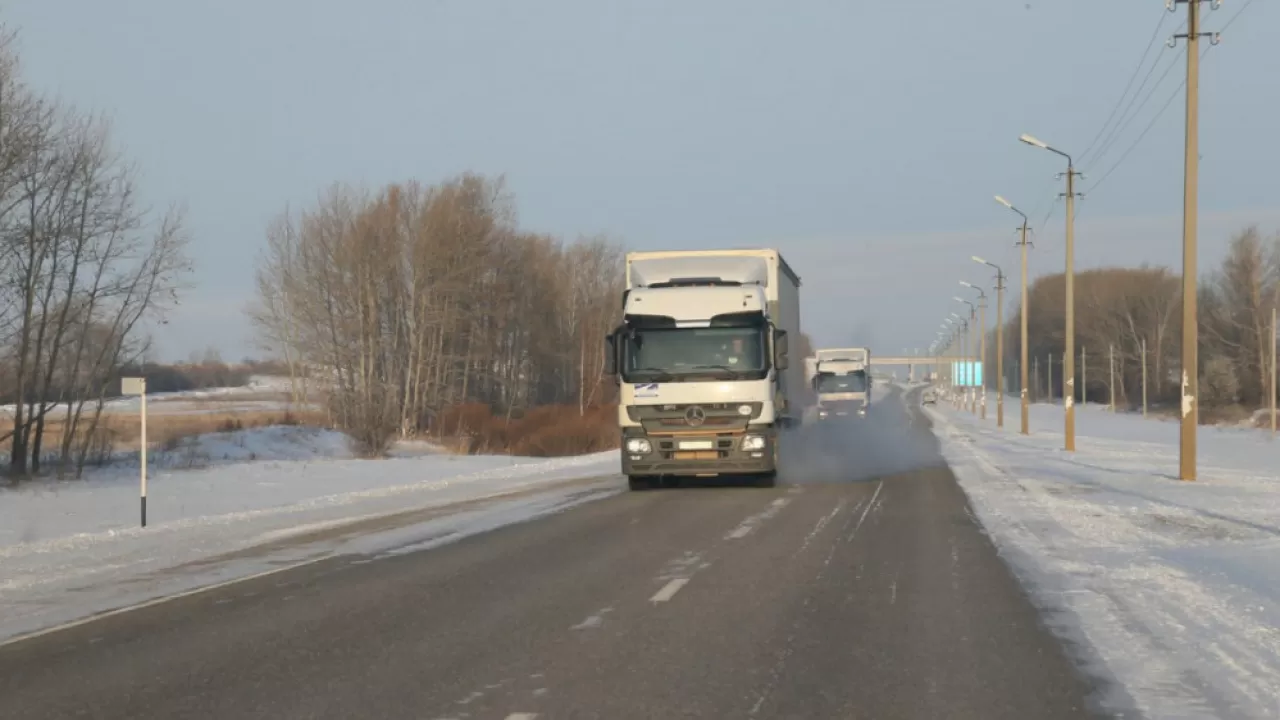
(854, 382)
(675, 354)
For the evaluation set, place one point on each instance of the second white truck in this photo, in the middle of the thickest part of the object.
(842, 382)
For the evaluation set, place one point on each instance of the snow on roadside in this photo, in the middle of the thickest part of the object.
(77, 549)
(1172, 589)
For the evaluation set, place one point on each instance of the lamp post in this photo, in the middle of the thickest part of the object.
(960, 325)
(1069, 362)
(971, 370)
(982, 330)
(999, 340)
(1023, 361)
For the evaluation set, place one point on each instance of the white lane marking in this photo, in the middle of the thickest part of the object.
(669, 590)
(522, 716)
(865, 511)
(594, 621)
(822, 523)
(683, 566)
(751, 523)
(893, 589)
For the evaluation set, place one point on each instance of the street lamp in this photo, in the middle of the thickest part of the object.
(982, 330)
(1023, 370)
(1069, 362)
(999, 340)
(959, 326)
(946, 351)
(970, 373)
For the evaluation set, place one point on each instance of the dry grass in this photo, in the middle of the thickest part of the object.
(546, 431)
(120, 431)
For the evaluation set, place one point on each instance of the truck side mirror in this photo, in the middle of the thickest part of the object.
(611, 354)
(780, 360)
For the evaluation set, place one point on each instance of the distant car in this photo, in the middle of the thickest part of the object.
(930, 397)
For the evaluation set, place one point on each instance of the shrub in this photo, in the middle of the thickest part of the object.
(543, 431)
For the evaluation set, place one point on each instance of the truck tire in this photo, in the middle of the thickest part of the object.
(638, 483)
(767, 480)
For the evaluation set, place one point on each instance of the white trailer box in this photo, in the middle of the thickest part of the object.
(701, 357)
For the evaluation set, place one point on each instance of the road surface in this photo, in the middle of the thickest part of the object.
(860, 587)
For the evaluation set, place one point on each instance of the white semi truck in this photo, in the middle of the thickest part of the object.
(842, 382)
(701, 359)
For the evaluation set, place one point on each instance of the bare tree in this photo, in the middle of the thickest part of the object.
(83, 266)
(416, 299)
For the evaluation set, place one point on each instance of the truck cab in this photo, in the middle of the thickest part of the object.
(842, 383)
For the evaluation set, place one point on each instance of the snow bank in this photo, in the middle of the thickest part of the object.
(1171, 589)
(84, 536)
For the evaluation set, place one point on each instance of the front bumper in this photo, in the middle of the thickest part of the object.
(724, 455)
(843, 410)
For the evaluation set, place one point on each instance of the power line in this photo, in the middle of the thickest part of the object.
(1130, 111)
(1159, 113)
(1142, 60)
(1164, 108)
(1243, 7)
(1111, 141)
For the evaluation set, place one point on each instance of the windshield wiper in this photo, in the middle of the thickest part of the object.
(662, 375)
(717, 367)
(731, 371)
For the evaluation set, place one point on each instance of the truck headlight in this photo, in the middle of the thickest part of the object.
(639, 446)
(744, 410)
(753, 442)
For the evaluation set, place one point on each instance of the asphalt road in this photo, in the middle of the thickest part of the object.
(861, 587)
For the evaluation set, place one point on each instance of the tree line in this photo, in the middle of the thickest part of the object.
(83, 267)
(1135, 313)
(415, 299)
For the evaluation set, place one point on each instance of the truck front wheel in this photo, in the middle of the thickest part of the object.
(636, 483)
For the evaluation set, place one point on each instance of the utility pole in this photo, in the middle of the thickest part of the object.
(1273, 371)
(1069, 277)
(1144, 377)
(1190, 190)
(1023, 365)
(1000, 348)
(973, 348)
(1036, 386)
(1084, 378)
(1049, 385)
(1111, 382)
(982, 387)
(1068, 358)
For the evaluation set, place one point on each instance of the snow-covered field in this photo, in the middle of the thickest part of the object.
(1171, 589)
(263, 393)
(268, 497)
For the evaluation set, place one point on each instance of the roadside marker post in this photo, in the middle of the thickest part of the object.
(138, 386)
